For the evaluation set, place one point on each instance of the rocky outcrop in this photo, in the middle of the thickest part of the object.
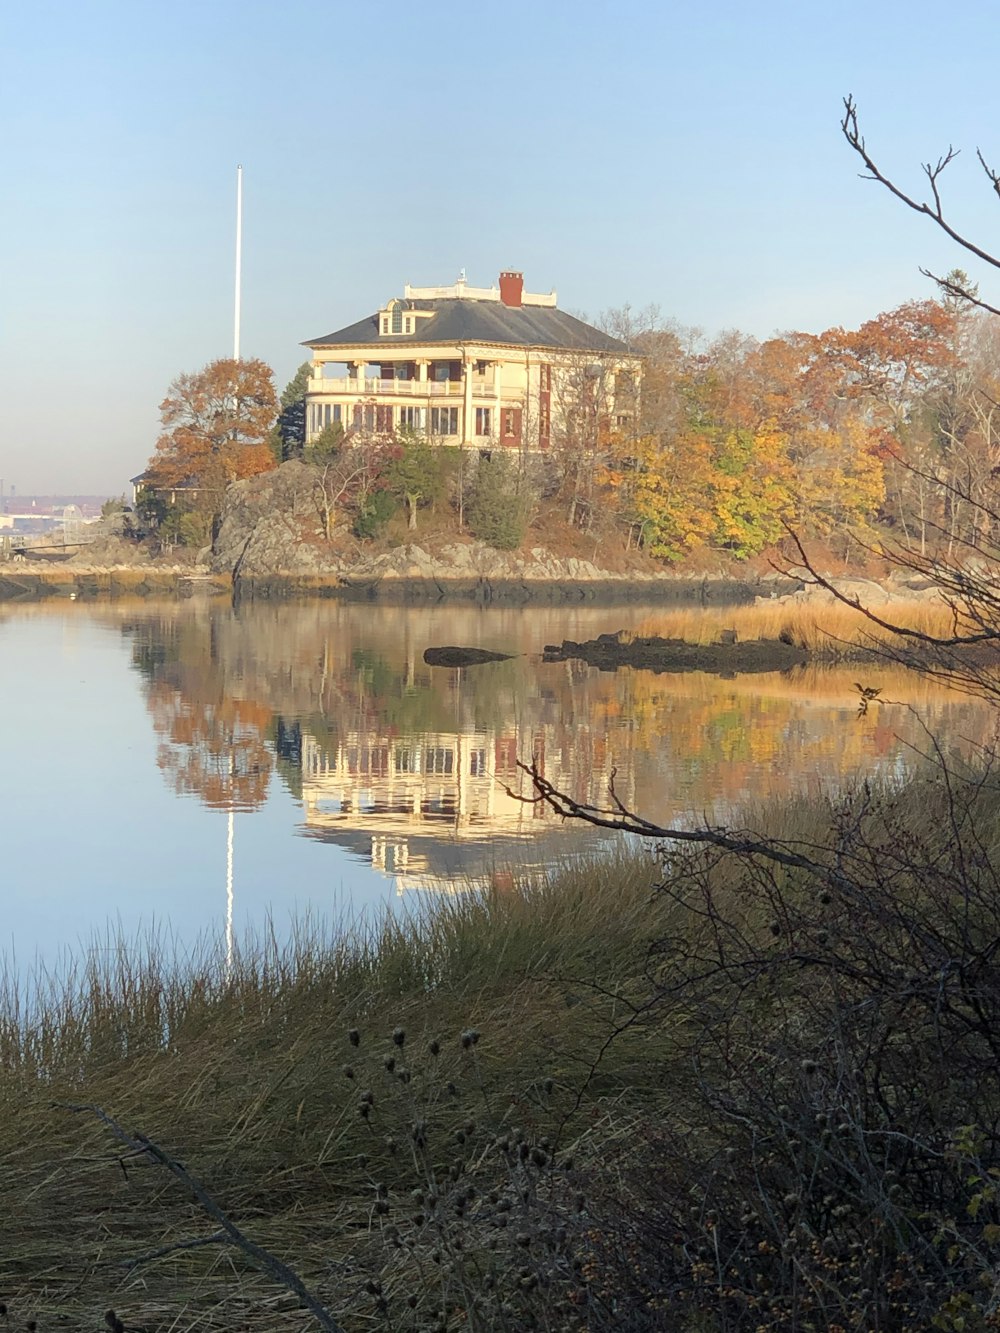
(863, 592)
(269, 525)
(269, 539)
(476, 560)
(608, 652)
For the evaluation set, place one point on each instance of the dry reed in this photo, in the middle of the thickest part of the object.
(245, 1071)
(826, 630)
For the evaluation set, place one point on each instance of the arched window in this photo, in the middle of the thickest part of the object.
(396, 309)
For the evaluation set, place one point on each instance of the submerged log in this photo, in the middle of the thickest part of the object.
(459, 657)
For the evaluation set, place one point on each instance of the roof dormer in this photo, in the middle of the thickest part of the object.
(395, 319)
(399, 317)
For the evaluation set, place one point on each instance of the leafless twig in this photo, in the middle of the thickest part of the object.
(935, 210)
(194, 1243)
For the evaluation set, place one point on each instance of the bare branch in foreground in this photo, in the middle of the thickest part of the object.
(987, 635)
(261, 1258)
(960, 292)
(933, 172)
(622, 820)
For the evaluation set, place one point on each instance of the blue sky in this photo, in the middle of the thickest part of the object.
(641, 152)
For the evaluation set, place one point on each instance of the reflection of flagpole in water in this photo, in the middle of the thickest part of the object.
(229, 896)
(230, 830)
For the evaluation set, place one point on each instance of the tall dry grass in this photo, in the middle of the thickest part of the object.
(826, 630)
(244, 1070)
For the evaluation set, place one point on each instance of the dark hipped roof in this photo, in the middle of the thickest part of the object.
(471, 321)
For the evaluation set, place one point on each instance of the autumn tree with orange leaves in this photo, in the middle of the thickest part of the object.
(216, 424)
(741, 438)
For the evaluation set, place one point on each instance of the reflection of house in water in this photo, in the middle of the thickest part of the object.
(436, 810)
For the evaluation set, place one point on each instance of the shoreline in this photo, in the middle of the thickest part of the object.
(20, 584)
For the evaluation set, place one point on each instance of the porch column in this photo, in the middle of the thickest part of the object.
(467, 421)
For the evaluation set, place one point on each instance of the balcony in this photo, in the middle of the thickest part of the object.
(373, 387)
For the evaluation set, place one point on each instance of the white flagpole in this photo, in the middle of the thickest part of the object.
(230, 897)
(239, 260)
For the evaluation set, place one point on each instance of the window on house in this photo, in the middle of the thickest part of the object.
(409, 324)
(377, 761)
(437, 759)
(385, 325)
(412, 418)
(383, 418)
(508, 421)
(483, 421)
(397, 318)
(369, 417)
(505, 754)
(338, 413)
(477, 763)
(545, 378)
(444, 420)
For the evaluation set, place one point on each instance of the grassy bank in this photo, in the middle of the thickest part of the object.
(763, 1095)
(251, 1078)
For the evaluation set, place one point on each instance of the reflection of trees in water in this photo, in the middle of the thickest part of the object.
(213, 742)
(214, 750)
(233, 695)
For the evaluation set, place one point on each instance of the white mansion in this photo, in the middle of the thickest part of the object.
(476, 366)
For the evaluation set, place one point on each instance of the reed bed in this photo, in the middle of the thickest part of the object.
(245, 1070)
(827, 630)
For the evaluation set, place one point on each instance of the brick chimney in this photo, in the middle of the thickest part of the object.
(511, 287)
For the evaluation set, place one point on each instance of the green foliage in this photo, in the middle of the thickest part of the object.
(295, 390)
(289, 432)
(416, 475)
(151, 508)
(373, 514)
(325, 446)
(178, 524)
(499, 510)
(276, 443)
(185, 527)
(114, 505)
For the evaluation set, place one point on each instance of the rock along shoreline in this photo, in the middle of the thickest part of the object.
(410, 588)
(609, 652)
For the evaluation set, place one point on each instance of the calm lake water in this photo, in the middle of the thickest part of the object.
(191, 769)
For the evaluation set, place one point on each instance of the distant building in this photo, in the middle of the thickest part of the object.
(494, 366)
